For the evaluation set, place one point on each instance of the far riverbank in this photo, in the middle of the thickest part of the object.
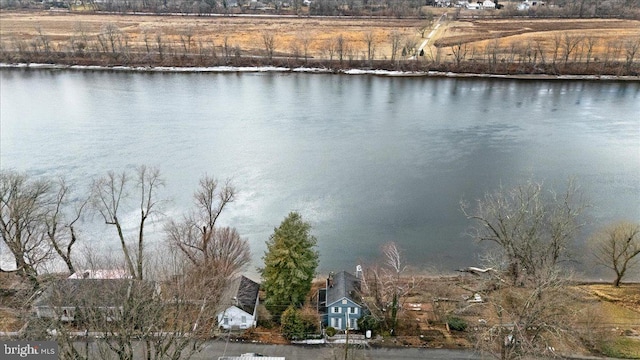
(507, 47)
(311, 70)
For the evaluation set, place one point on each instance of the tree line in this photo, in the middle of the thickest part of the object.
(628, 9)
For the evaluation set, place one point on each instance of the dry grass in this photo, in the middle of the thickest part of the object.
(244, 32)
(548, 34)
(9, 320)
(289, 33)
(626, 294)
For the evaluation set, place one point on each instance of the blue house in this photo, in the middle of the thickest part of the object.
(338, 301)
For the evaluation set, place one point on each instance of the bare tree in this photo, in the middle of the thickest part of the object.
(590, 43)
(111, 40)
(294, 47)
(616, 247)
(341, 47)
(369, 39)
(305, 41)
(330, 48)
(527, 322)
(217, 250)
(385, 287)
(459, 52)
(61, 226)
(24, 203)
(533, 227)
(111, 192)
(80, 38)
(160, 44)
(569, 45)
(269, 41)
(631, 49)
(43, 40)
(396, 39)
(541, 51)
(557, 44)
(186, 37)
(491, 51)
(410, 47)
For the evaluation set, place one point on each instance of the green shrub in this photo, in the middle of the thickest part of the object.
(457, 324)
(624, 348)
(368, 322)
(330, 331)
(297, 324)
(292, 324)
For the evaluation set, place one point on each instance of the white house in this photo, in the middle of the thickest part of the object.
(488, 4)
(473, 6)
(242, 312)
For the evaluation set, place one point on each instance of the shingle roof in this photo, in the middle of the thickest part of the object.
(344, 285)
(245, 292)
(92, 292)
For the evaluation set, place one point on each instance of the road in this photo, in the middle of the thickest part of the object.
(214, 349)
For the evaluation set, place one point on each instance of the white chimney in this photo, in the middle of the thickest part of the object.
(358, 271)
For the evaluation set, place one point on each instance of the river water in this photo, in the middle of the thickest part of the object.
(365, 159)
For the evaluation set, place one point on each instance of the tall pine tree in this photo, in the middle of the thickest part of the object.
(290, 264)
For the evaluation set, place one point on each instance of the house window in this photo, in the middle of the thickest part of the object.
(344, 301)
(226, 320)
(353, 310)
(244, 319)
(336, 310)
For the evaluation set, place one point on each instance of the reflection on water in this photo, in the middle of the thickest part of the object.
(365, 159)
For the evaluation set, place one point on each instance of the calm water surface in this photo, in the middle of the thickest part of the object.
(365, 159)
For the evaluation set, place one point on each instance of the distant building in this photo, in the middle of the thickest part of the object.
(488, 4)
(101, 274)
(63, 299)
(339, 302)
(243, 300)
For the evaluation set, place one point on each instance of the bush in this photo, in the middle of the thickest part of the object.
(292, 325)
(369, 322)
(330, 331)
(457, 324)
(297, 324)
(264, 317)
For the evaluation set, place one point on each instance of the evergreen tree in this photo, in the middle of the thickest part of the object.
(290, 263)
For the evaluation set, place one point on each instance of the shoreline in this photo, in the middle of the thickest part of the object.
(312, 70)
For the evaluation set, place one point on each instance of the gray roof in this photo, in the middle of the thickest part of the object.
(245, 292)
(344, 285)
(93, 292)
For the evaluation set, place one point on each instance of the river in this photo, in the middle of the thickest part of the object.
(365, 159)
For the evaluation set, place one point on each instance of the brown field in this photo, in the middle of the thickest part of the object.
(246, 33)
(516, 34)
